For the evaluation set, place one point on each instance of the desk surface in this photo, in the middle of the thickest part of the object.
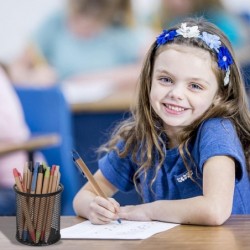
(119, 100)
(234, 234)
(33, 143)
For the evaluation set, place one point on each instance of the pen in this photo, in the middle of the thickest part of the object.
(84, 169)
(39, 184)
(25, 177)
(29, 176)
(34, 179)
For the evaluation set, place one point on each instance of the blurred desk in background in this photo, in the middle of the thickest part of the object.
(98, 98)
(119, 101)
(30, 145)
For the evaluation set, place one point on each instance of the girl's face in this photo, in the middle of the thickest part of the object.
(183, 86)
(179, 7)
(85, 26)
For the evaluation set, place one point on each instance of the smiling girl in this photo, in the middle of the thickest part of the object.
(186, 146)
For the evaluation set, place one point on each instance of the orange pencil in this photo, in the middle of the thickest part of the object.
(41, 215)
(48, 200)
(84, 169)
(39, 184)
(25, 178)
(51, 203)
(24, 205)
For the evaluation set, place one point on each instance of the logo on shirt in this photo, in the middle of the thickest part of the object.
(184, 177)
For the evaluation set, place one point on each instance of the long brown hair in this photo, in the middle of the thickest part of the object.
(142, 132)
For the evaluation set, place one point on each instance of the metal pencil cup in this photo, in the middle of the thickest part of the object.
(38, 217)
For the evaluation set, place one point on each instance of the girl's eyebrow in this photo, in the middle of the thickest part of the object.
(163, 71)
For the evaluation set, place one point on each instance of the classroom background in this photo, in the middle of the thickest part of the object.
(19, 19)
(83, 114)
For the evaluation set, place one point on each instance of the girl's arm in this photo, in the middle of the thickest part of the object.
(212, 208)
(95, 208)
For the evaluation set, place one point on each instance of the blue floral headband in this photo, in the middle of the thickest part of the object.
(213, 41)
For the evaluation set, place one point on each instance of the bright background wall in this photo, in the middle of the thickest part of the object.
(19, 17)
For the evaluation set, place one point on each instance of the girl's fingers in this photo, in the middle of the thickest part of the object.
(105, 203)
(99, 220)
(116, 204)
(102, 211)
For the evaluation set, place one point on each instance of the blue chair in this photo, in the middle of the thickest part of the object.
(46, 111)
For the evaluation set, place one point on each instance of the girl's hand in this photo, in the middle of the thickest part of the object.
(138, 212)
(103, 211)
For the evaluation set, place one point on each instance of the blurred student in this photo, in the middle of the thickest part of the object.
(171, 12)
(12, 129)
(90, 37)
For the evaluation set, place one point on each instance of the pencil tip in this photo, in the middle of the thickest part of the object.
(75, 154)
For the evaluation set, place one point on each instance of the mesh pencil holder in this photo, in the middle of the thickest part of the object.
(38, 217)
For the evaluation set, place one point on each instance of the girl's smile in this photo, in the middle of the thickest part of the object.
(174, 109)
(184, 86)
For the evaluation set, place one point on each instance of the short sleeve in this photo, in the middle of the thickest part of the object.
(219, 137)
(118, 171)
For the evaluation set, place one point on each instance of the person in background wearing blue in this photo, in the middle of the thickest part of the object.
(186, 146)
(172, 12)
(91, 38)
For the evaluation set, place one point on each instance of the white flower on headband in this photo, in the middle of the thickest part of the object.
(188, 32)
(226, 79)
(213, 41)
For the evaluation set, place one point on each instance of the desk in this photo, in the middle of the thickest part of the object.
(33, 143)
(120, 100)
(234, 234)
(30, 145)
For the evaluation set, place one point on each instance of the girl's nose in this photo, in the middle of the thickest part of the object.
(176, 92)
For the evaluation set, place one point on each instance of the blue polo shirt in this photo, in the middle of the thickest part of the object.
(214, 137)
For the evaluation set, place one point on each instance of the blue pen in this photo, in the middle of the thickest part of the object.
(34, 178)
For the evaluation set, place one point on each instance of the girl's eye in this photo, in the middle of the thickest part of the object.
(195, 86)
(165, 80)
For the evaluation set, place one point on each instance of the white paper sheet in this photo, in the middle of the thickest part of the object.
(128, 230)
(84, 93)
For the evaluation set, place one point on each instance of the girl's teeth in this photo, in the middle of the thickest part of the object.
(178, 109)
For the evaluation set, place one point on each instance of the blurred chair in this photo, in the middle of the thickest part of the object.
(46, 111)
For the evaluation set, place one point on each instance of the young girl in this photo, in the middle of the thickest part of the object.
(186, 147)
